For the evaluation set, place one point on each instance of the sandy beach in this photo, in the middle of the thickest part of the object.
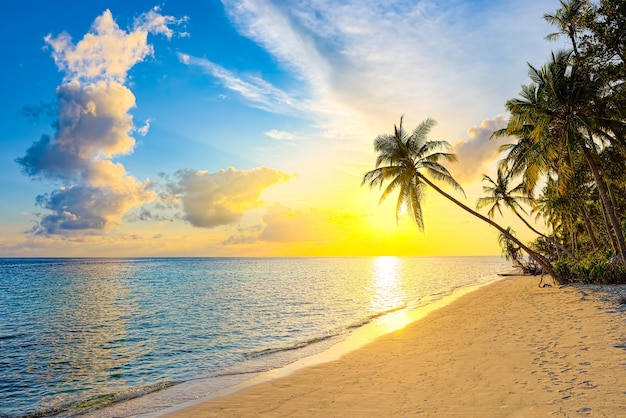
(508, 349)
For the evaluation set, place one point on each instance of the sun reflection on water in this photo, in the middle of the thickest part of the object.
(388, 292)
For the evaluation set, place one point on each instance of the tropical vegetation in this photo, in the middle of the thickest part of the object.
(564, 156)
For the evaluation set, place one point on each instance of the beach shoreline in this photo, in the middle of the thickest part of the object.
(506, 349)
(185, 394)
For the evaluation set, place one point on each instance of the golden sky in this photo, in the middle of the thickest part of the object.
(244, 128)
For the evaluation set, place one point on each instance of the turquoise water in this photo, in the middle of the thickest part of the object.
(80, 334)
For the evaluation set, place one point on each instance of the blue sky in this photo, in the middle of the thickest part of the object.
(244, 127)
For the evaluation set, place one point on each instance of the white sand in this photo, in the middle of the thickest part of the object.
(507, 349)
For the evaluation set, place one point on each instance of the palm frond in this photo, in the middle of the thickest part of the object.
(485, 201)
(420, 133)
(440, 173)
(393, 184)
(379, 175)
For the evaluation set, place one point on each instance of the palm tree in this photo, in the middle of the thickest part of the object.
(554, 208)
(557, 113)
(510, 251)
(407, 160)
(559, 209)
(531, 158)
(579, 192)
(568, 20)
(499, 194)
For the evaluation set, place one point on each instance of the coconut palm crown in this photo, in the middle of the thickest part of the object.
(499, 193)
(404, 160)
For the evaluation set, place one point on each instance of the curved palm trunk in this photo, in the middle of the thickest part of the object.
(607, 228)
(589, 226)
(521, 218)
(534, 255)
(610, 209)
(610, 194)
(573, 234)
(549, 239)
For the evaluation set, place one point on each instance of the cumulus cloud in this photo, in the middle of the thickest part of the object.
(85, 207)
(108, 52)
(93, 127)
(477, 152)
(213, 199)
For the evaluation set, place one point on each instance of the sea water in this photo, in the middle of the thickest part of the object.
(77, 335)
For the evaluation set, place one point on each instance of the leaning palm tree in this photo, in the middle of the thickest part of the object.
(408, 161)
(499, 193)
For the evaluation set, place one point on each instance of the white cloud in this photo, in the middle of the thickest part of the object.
(105, 53)
(272, 27)
(156, 23)
(477, 152)
(143, 131)
(108, 52)
(364, 63)
(93, 127)
(258, 92)
(280, 135)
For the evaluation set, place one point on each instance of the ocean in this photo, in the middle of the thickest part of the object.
(79, 335)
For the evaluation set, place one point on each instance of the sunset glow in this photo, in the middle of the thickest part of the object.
(244, 128)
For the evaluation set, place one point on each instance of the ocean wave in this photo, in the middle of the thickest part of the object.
(296, 346)
(372, 317)
(302, 344)
(93, 403)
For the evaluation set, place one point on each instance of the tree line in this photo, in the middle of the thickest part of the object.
(564, 163)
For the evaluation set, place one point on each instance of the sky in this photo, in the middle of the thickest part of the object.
(244, 127)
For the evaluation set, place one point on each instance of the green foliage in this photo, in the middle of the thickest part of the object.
(544, 247)
(562, 268)
(570, 129)
(596, 268)
(510, 251)
(405, 162)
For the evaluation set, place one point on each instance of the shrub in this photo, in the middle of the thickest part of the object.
(562, 268)
(594, 268)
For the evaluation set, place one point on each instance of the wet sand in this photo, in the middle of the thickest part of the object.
(506, 349)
